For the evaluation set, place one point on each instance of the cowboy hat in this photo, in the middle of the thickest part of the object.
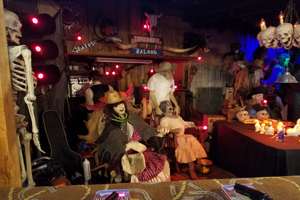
(164, 66)
(112, 96)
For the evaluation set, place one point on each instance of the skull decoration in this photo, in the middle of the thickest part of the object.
(13, 27)
(268, 37)
(242, 116)
(296, 40)
(284, 33)
(262, 115)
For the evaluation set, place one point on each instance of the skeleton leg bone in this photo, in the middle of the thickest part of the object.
(22, 165)
(27, 137)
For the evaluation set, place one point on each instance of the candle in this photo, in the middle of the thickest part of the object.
(281, 18)
(263, 25)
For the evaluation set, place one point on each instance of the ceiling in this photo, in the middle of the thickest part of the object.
(241, 15)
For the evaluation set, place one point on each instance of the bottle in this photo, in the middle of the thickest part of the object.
(86, 171)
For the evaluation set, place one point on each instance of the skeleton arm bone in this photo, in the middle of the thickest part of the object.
(30, 97)
(154, 102)
(173, 99)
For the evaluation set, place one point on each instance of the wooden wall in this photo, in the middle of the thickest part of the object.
(9, 157)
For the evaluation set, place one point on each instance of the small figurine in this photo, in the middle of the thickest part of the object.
(295, 131)
(257, 126)
(262, 128)
(269, 130)
(280, 136)
(280, 127)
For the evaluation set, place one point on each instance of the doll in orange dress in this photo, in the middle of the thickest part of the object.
(188, 148)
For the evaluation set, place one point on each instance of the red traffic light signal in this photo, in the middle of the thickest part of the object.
(47, 74)
(46, 49)
(38, 25)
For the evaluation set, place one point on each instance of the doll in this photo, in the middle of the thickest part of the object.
(123, 132)
(188, 148)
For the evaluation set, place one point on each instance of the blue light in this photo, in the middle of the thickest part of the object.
(249, 44)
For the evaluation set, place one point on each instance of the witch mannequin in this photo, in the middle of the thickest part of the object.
(123, 133)
(188, 148)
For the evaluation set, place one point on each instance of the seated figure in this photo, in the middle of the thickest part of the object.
(188, 148)
(125, 131)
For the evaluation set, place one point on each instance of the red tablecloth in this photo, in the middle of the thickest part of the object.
(237, 148)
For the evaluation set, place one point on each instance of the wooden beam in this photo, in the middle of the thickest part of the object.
(9, 157)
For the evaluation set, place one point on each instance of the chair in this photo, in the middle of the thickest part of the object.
(59, 147)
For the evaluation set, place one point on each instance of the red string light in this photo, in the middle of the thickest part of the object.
(40, 76)
(34, 20)
(78, 38)
(38, 48)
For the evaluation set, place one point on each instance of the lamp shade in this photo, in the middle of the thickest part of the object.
(287, 77)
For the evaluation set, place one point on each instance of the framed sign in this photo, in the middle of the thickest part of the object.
(150, 46)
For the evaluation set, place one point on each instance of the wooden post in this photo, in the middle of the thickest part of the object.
(9, 156)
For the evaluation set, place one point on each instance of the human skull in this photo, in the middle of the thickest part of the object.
(13, 27)
(268, 37)
(242, 115)
(284, 33)
(259, 38)
(296, 40)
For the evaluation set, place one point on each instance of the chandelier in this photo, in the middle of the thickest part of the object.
(286, 34)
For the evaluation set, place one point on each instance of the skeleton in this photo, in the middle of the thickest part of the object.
(268, 38)
(22, 81)
(284, 35)
(296, 40)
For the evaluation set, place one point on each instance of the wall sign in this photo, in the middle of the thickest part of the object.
(141, 51)
(146, 45)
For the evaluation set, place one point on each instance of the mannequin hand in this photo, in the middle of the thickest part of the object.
(158, 111)
(135, 145)
(162, 131)
(177, 110)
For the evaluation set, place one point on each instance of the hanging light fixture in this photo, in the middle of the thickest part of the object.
(286, 34)
(287, 77)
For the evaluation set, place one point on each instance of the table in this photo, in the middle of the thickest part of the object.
(278, 188)
(237, 148)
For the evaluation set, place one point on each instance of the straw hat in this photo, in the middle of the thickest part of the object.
(164, 66)
(112, 96)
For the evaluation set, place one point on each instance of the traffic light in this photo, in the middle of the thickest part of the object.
(39, 34)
